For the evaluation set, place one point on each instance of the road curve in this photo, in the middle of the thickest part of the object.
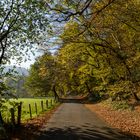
(73, 121)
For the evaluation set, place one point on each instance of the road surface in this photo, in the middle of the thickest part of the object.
(73, 121)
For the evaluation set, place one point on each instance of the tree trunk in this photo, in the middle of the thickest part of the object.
(130, 78)
(88, 89)
(55, 94)
(135, 96)
(1, 120)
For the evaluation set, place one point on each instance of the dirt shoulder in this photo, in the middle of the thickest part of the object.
(125, 120)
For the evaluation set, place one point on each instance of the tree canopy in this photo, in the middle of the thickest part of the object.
(21, 24)
(98, 49)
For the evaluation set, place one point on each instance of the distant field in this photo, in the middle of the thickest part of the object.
(25, 107)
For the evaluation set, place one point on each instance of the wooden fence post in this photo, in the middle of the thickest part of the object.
(19, 114)
(36, 108)
(12, 111)
(47, 104)
(51, 102)
(42, 106)
(30, 111)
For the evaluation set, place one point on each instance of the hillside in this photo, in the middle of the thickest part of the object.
(17, 70)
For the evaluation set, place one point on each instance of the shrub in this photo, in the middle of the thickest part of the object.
(122, 105)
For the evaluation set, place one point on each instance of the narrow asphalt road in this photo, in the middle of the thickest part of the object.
(73, 121)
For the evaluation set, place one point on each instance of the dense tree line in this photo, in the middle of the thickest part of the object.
(99, 50)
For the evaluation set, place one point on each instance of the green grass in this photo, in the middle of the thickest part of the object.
(118, 105)
(25, 107)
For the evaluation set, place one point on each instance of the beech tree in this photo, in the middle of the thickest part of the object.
(111, 31)
(21, 24)
(99, 47)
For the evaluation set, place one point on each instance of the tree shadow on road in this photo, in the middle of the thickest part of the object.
(81, 132)
(85, 132)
